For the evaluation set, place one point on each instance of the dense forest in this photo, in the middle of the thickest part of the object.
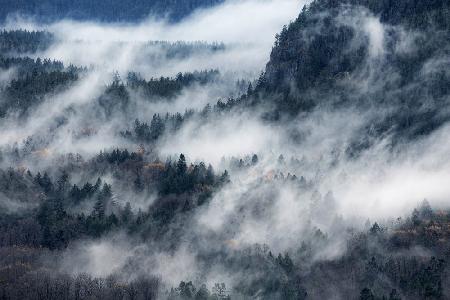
(323, 178)
(393, 73)
(23, 41)
(108, 11)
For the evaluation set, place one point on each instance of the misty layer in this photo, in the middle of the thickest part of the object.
(323, 178)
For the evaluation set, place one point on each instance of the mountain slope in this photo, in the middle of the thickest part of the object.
(389, 55)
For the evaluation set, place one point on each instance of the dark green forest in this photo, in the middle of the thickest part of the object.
(324, 65)
(106, 11)
(55, 204)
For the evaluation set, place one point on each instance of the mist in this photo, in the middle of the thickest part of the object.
(122, 47)
(314, 179)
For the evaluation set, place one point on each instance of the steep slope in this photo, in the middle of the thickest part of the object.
(389, 55)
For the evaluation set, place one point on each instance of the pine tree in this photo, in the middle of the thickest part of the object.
(210, 177)
(138, 184)
(127, 214)
(181, 165)
(225, 178)
(62, 183)
(46, 183)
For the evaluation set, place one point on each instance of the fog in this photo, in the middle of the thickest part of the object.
(107, 48)
(262, 204)
(122, 47)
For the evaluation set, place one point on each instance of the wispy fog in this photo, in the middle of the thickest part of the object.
(288, 179)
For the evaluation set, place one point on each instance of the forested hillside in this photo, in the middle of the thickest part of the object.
(387, 55)
(22, 41)
(323, 178)
(107, 11)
